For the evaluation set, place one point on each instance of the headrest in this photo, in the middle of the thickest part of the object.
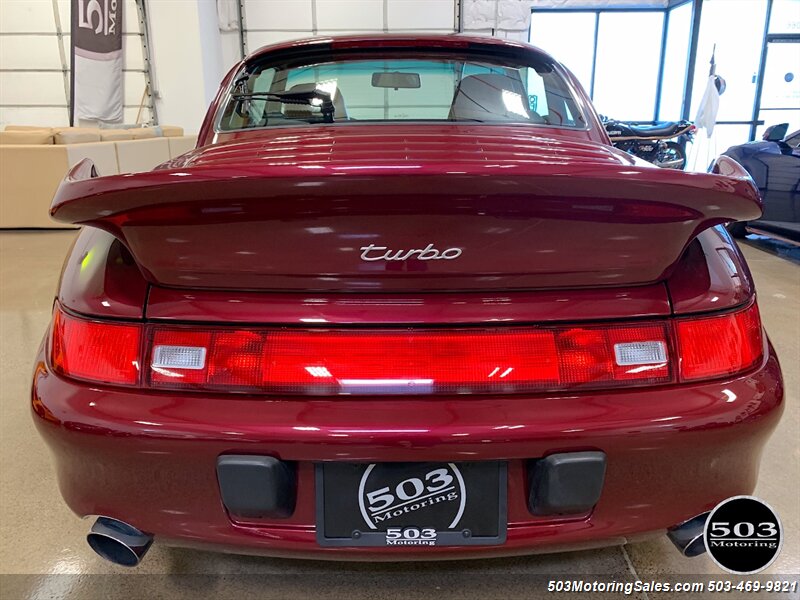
(490, 97)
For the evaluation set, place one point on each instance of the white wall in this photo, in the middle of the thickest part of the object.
(271, 21)
(186, 50)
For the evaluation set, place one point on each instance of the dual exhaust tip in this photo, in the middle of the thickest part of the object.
(118, 542)
(123, 544)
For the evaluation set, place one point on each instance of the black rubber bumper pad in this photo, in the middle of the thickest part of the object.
(567, 483)
(257, 487)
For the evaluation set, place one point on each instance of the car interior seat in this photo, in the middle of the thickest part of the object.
(491, 97)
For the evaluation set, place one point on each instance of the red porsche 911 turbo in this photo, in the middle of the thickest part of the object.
(403, 301)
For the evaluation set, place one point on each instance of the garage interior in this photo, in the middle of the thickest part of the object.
(642, 61)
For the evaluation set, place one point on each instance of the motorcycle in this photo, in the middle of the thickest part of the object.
(663, 144)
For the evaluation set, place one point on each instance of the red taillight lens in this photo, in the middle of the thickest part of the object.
(404, 361)
(721, 345)
(95, 350)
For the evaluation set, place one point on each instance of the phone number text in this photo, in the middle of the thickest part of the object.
(633, 587)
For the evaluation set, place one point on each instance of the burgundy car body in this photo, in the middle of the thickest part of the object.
(263, 229)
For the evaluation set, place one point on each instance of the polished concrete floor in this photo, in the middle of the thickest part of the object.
(43, 542)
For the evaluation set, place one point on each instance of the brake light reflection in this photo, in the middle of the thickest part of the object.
(319, 372)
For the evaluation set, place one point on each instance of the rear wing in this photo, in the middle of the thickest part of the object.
(283, 227)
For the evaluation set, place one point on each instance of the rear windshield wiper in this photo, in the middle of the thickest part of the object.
(306, 97)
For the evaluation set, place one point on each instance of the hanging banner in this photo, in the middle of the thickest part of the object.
(97, 90)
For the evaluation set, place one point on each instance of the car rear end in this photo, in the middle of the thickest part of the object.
(651, 458)
(386, 342)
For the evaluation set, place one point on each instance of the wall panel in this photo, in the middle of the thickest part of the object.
(31, 88)
(421, 14)
(349, 15)
(278, 14)
(271, 21)
(25, 17)
(36, 115)
(29, 52)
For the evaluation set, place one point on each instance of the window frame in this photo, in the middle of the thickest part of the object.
(691, 63)
(622, 9)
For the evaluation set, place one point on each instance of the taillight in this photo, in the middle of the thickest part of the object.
(223, 358)
(721, 345)
(95, 350)
(402, 361)
(408, 360)
(635, 353)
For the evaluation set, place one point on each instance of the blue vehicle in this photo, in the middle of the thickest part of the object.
(774, 165)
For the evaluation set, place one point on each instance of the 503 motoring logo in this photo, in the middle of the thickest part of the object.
(414, 504)
(743, 535)
(101, 17)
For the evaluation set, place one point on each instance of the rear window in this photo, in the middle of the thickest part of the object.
(397, 89)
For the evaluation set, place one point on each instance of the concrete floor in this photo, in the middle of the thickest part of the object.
(42, 542)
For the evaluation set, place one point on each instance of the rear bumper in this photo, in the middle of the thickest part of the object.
(149, 459)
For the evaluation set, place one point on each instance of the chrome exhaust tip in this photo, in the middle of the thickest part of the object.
(688, 536)
(118, 542)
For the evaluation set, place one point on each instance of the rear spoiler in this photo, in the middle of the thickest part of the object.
(83, 198)
(252, 226)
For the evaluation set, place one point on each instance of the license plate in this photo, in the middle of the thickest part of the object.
(411, 504)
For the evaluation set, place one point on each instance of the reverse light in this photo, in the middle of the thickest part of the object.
(178, 357)
(640, 353)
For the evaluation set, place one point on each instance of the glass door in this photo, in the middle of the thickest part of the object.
(780, 94)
